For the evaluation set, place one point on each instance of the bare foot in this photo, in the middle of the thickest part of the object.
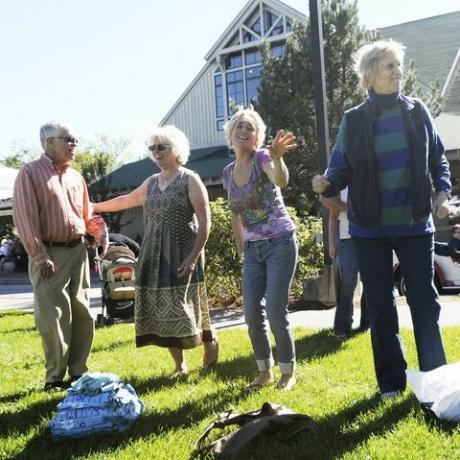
(264, 378)
(211, 353)
(179, 373)
(286, 382)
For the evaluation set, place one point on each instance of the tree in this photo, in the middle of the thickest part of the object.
(286, 95)
(20, 153)
(94, 161)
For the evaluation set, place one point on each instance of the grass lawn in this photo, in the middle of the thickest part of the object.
(336, 387)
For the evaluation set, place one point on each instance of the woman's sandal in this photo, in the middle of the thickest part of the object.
(210, 358)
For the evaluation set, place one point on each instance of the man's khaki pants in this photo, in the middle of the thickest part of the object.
(61, 305)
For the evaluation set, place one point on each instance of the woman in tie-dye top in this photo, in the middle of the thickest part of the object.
(265, 237)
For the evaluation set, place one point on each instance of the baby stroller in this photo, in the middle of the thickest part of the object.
(116, 273)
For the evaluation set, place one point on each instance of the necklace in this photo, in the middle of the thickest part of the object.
(166, 180)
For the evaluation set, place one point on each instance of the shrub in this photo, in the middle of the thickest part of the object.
(223, 268)
(310, 253)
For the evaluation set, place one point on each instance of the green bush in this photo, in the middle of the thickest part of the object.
(223, 268)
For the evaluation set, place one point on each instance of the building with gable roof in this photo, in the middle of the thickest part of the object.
(229, 78)
(232, 73)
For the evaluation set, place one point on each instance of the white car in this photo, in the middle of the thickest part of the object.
(446, 275)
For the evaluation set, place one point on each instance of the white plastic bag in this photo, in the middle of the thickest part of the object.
(439, 388)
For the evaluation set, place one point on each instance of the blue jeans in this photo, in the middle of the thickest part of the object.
(415, 254)
(268, 269)
(348, 269)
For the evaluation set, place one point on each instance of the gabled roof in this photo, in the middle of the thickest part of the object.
(245, 13)
(432, 43)
(451, 90)
(208, 163)
(233, 28)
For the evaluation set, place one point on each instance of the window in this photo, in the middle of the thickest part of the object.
(278, 50)
(219, 96)
(256, 27)
(253, 77)
(278, 29)
(248, 37)
(252, 57)
(235, 92)
(233, 60)
(237, 81)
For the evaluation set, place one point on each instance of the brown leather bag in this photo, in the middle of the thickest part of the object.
(271, 419)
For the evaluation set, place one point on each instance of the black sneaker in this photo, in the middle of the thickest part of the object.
(341, 337)
(54, 386)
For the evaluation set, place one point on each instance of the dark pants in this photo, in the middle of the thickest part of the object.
(348, 269)
(375, 259)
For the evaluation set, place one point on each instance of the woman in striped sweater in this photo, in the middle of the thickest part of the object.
(390, 156)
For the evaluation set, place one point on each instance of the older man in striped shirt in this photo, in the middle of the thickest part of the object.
(51, 211)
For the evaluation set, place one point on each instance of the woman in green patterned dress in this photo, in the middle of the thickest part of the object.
(171, 308)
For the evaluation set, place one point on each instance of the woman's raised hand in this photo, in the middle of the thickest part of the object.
(282, 143)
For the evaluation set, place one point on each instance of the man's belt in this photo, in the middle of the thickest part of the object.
(63, 244)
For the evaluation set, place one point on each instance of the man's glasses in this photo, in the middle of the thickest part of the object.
(68, 139)
(159, 147)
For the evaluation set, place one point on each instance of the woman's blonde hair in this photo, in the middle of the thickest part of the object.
(259, 124)
(173, 136)
(368, 57)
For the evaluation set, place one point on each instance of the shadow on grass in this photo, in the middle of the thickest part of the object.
(332, 427)
(433, 422)
(316, 345)
(16, 396)
(21, 420)
(19, 329)
(333, 437)
(112, 346)
(15, 313)
(153, 423)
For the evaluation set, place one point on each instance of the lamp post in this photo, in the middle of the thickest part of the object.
(319, 82)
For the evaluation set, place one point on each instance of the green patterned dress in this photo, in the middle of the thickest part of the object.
(170, 311)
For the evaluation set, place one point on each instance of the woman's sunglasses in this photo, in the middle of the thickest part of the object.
(159, 147)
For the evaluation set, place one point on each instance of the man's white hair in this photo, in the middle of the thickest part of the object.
(51, 129)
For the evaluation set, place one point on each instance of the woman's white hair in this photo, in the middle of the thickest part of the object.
(368, 57)
(51, 129)
(173, 136)
(259, 124)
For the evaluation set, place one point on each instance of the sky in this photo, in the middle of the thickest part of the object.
(115, 67)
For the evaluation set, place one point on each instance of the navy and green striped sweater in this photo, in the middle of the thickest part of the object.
(393, 172)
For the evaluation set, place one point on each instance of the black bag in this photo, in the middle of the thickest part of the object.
(271, 419)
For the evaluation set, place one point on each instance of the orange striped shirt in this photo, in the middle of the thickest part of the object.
(51, 205)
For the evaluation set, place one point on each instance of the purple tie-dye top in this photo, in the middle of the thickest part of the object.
(259, 204)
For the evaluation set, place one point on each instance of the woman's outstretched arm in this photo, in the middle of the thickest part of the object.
(122, 202)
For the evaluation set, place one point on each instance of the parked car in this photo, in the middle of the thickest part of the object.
(446, 275)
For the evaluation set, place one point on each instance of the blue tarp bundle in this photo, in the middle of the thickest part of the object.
(96, 403)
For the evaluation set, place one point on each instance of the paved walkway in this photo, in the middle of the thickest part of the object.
(16, 292)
